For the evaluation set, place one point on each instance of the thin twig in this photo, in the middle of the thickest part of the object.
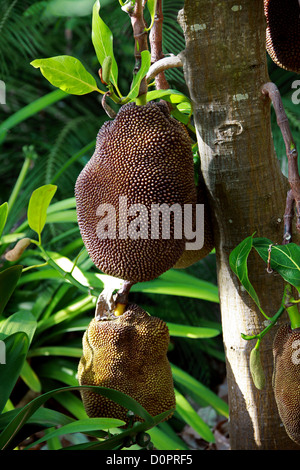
(155, 39)
(162, 65)
(141, 39)
(293, 196)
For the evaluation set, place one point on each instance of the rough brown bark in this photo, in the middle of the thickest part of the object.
(225, 67)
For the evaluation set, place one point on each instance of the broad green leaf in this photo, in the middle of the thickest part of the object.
(285, 259)
(164, 438)
(173, 96)
(55, 351)
(44, 417)
(8, 281)
(189, 415)
(238, 263)
(188, 331)
(19, 321)
(30, 378)
(83, 425)
(151, 5)
(145, 64)
(38, 205)
(102, 39)
(27, 411)
(67, 73)
(115, 442)
(3, 216)
(199, 390)
(16, 347)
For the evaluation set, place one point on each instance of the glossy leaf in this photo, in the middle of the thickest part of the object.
(145, 64)
(189, 415)
(19, 321)
(238, 262)
(199, 390)
(16, 347)
(188, 331)
(38, 205)
(3, 216)
(27, 411)
(285, 259)
(102, 39)
(83, 425)
(151, 5)
(67, 73)
(164, 438)
(8, 281)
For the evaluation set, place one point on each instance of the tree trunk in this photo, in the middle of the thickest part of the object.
(225, 66)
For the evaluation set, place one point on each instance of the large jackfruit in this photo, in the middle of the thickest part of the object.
(283, 33)
(286, 378)
(129, 354)
(143, 155)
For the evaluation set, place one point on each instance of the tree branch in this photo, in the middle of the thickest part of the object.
(162, 65)
(293, 196)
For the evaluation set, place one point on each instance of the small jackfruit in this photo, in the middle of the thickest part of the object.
(142, 159)
(190, 257)
(129, 354)
(286, 379)
(256, 369)
(283, 33)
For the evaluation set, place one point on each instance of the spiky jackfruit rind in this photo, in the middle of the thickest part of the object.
(283, 33)
(145, 155)
(128, 354)
(286, 379)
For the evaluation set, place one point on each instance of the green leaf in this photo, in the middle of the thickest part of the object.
(8, 281)
(19, 321)
(102, 39)
(3, 216)
(238, 263)
(38, 205)
(145, 64)
(30, 378)
(199, 390)
(67, 73)
(164, 438)
(16, 347)
(151, 5)
(173, 96)
(82, 425)
(27, 411)
(285, 259)
(189, 415)
(188, 331)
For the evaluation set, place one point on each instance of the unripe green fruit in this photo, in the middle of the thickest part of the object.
(256, 369)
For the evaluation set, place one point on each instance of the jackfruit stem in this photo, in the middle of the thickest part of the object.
(121, 296)
(141, 100)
